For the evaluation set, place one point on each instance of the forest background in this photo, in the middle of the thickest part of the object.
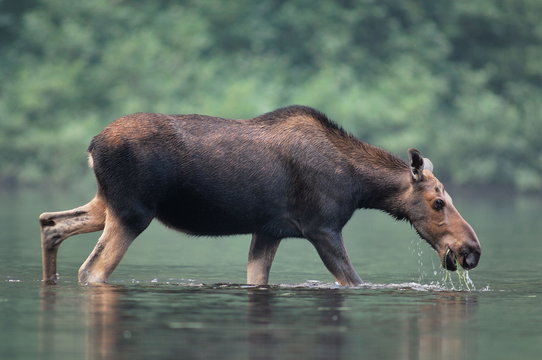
(459, 80)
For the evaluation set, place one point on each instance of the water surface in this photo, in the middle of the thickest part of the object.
(180, 297)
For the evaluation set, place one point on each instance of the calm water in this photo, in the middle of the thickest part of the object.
(177, 297)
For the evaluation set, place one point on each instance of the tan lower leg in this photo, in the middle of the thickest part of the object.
(107, 253)
(261, 254)
(258, 272)
(58, 226)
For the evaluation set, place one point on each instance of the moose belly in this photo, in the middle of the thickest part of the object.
(227, 214)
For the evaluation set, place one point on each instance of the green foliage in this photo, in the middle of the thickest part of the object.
(460, 80)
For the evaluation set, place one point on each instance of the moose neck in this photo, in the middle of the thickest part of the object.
(383, 180)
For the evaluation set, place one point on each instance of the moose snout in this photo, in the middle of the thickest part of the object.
(471, 259)
(470, 252)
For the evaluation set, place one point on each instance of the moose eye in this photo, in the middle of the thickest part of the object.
(438, 204)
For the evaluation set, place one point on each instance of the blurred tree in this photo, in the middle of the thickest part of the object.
(459, 80)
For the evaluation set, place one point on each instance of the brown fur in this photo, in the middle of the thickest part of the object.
(288, 173)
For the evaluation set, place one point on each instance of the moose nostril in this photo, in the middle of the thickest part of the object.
(471, 260)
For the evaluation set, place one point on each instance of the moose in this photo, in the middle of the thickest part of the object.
(290, 173)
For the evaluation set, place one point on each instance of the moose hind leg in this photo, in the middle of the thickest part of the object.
(112, 245)
(58, 226)
(261, 254)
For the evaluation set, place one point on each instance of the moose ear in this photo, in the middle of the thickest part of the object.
(416, 164)
(427, 164)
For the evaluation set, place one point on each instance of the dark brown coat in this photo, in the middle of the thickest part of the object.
(288, 173)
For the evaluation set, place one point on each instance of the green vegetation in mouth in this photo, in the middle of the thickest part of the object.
(450, 261)
(446, 255)
(465, 282)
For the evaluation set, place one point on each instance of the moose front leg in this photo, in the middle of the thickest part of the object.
(58, 226)
(331, 249)
(260, 257)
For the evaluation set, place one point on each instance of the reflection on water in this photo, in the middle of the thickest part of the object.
(270, 337)
(232, 322)
(105, 333)
(443, 327)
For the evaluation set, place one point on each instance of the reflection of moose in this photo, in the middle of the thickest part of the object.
(126, 322)
(288, 173)
(311, 325)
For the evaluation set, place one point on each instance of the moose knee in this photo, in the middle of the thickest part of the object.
(46, 220)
